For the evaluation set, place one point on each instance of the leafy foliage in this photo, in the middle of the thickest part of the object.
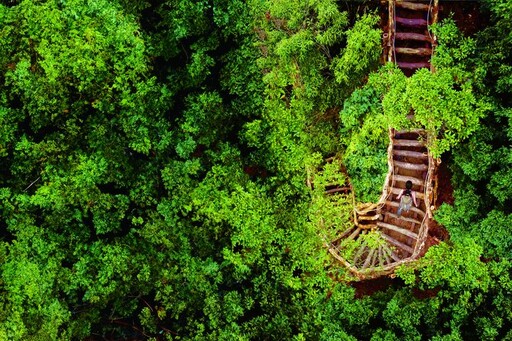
(365, 134)
(154, 164)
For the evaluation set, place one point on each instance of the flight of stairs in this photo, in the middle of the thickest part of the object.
(380, 240)
(411, 42)
(410, 163)
(400, 238)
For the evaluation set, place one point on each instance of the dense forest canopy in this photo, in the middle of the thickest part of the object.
(154, 157)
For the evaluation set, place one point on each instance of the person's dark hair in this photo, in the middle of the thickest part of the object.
(408, 184)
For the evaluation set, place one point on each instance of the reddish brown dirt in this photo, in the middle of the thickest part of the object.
(423, 294)
(371, 286)
(436, 232)
(467, 15)
(255, 171)
(431, 241)
(444, 195)
(445, 188)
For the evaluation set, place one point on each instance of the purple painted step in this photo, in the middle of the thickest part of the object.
(405, 65)
(411, 22)
(412, 36)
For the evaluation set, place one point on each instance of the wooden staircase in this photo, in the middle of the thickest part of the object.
(409, 42)
(380, 240)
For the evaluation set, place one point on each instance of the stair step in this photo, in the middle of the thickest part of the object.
(417, 131)
(354, 234)
(413, 209)
(395, 257)
(390, 252)
(337, 189)
(412, 36)
(409, 220)
(415, 6)
(359, 253)
(410, 153)
(397, 229)
(369, 258)
(419, 51)
(419, 65)
(398, 244)
(404, 178)
(411, 22)
(381, 256)
(372, 217)
(411, 166)
(408, 143)
(396, 191)
(344, 234)
(366, 225)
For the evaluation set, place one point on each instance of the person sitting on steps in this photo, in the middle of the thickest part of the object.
(406, 197)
